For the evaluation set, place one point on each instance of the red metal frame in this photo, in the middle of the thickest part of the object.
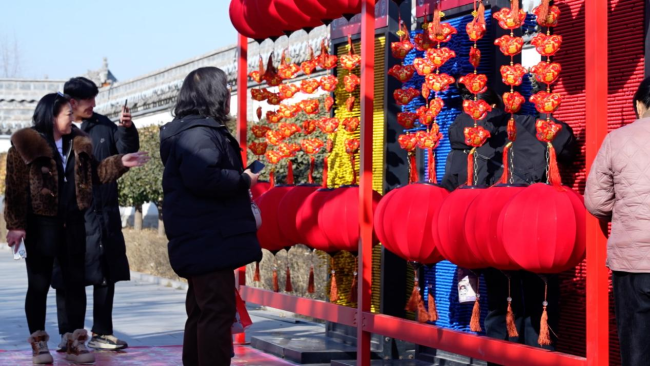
(425, 334)
(242, 115)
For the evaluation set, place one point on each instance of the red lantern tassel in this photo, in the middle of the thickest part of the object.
(437, 29)
(433, 312)
(288, 286)
(514, 11)
(325, 172)
(475, 322)
(423, 316)
(506, 167)
(413, 169)
(544, 333)
(510, 321)
(276, 286)
(480, 14)
(432, 167)
(312, 163)
(354, 169)
(553, 171)
(412, 304)
(289, 172)
(543, 9)
(272, 177)
(310, 284)
(334, 290)
(256, 276)
(353, 289)
(470, 167)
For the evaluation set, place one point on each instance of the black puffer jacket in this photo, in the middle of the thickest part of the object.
(529, 153)
(206, 206)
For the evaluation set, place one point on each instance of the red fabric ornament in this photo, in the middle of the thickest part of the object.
(328, 83)
(271, 75)
(439, 56)
(428, 140)
(259, 94)
(513, 102)
(269, 234)
(273, 157)
(286, 70)
(407, 119)
(512, 129)
(426, 92)
(258, 113)
(259, 131)
(309, 126)
(546, 102)
(482, 226)
(513, 75)
(352, 146)
(551, 228)
(405, 218)
(423, 66)
(289, 111)
(475, 83)
(329, 146)
(551, 18)
(351, 82)
(425, 115)
(476, 109)
(408, 142)
(328, 125)
(351, 60)
(273, 117)
(401, 49)
(547, 72)
(474, 57)
(258, 148)
(311, 146)
(509, 19)
(258, 74)
(351, 124)
(339, 218)
(422, 42)
(449, 232)
(288, 129)
(439, 82)
(260, 188)
(288, 91)
(476, 136)
(476, 28)
(274, 98)
(329, 103)
(402, 73)
(405, 96)
(288, 150)
(274, 137)
(307, 220)
(510, 46)
(445, 34)
(436, 105)
(310, 106)
(547, 45)
(349, 103)
(288, 208)
(325, 60)
(310, 65)
(546, 130)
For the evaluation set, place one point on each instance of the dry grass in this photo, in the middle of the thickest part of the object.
(147, 253)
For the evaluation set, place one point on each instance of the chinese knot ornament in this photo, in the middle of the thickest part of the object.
(351, 60)
(513, 101)
(402, 73)
(511, 18)
(273, 157)
(325, 60)
(439, 82)
(475, 83)
(309, 126)
(476, 136)
(405, 96)
(328, 125)
(547, 72)
(274, 98)
(274, 137)
(404, 46)
(258, 148)
(273, 117)
(309, 86)
(423, 66)
(311, 146)
(260, 131)
(288, 91)
(428, 140)
(439, 56)
(408, 142)
(510, 46)
(288, 129)
(547, 16)
(476, 109)
(513, 75)
(546, 102)
(310, 65)
(351, 82)
(407, 119)
(259, 94)
(351, 124)
(426, 116)
(289, 111)
(328, 83)
(547, 45)
(310, 106)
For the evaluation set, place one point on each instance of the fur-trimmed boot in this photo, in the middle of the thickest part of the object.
(77, 351)
(40, 352)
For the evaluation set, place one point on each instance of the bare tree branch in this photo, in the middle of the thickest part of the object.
(10, 57)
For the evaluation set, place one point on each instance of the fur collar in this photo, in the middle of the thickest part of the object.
(31, 145)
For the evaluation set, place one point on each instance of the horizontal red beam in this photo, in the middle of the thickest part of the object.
(300, 305)
(470, 345)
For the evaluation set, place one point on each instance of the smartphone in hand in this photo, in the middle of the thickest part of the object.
(256, 167)
(19, 250)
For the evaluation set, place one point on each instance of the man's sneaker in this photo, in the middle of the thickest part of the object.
(108, 342)
(77, 351)
(63, 345)
(40, 352)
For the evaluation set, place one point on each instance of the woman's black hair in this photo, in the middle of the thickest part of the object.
(46, 110)
(642, 95)
(80, 88)
(204, 93)
(489, 95)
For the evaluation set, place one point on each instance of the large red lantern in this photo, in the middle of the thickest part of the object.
(257, 16)
(347, 8)
(339, 218)
(378, 217)
(481, 226)
(307, 220)
(260, 188)
(269, 234)
(294, 16)
(450, 231)
(315, 9)
(542, 231)
(238, 20)
(288, 211)
(408, 221)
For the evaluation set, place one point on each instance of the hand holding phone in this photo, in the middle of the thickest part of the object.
(255, 167)
(125, 116)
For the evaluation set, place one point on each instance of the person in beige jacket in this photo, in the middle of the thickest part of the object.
(618, 190)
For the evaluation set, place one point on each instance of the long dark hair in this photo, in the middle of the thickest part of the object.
(46, 110)
(642, 95)
(204, 93)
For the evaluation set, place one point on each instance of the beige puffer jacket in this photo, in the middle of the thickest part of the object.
(618, 189)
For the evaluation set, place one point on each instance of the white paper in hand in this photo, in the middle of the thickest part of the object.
(20, 252)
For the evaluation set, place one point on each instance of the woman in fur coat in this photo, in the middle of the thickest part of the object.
(50, 175)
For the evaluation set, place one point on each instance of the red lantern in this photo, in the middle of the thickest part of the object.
(307, 220)
(288, 208)
(510, 46)
(269, 234)
(450, 229)
(481, 226)
(294, 16)
(378, 217)
(402, 73)
(315, 9)
(309, 86)
(260, 188)
(257, 16)
(547, 45)
(339, 218)
(540, 229)
(407, 220)
(475, 83)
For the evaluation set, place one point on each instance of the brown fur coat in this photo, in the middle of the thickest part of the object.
(32, 170)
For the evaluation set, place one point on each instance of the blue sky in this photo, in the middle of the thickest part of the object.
(62, 39)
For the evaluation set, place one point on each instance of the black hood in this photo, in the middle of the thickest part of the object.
(180, 124)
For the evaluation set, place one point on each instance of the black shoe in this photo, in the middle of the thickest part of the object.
(108, 342)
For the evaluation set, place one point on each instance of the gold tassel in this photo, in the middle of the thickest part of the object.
(544, 333)
(475, 322)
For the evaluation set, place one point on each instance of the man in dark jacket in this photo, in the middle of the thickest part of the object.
(106, 261)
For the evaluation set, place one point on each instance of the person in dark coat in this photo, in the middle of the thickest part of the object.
(529, 166)
(106, 261)
(51, 172)
(207, 213)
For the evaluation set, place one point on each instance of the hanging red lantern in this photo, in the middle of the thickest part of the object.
(513, 102)
(510, 46)
(547, 45)
(328, 83)
(549, 228)
(378, 217)
(546, 102)
(307, 220)
(513, 75)
(309, 126)
(449, 232)
(257, 15)
(402, 73)
(290, 11)
(259, 189)
(439, 56)
(309, 86)
(475, 83)
(423, 66)
(269, 234)
(287, 211)
(407, 119)
(439, 82)
(315, 9)
(547, 72)
(481, 226)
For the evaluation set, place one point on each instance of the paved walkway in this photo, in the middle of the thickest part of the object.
(145, 315)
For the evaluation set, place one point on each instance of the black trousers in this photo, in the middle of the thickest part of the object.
(211, 308)
(103, 296)
(527, 292)
(47, 240)
(632, 305)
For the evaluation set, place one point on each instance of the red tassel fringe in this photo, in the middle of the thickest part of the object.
(334, 290)
(276, 286)
(288, 286)
(543, 9)
(289, 172)
(354, 169)
(353, 289)
(475, 322)
(256, 276)
(544, 334)
(506, 167)
(470, 167)
(312, 163)
(432, 167)
(413, 169)
(310, 284)
(553, 171)
(514, 11)
(433, 312)
(510, 322)
(325, 172)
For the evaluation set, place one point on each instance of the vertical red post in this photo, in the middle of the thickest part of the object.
(365, 187)
(596, 46)
(242, 118)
